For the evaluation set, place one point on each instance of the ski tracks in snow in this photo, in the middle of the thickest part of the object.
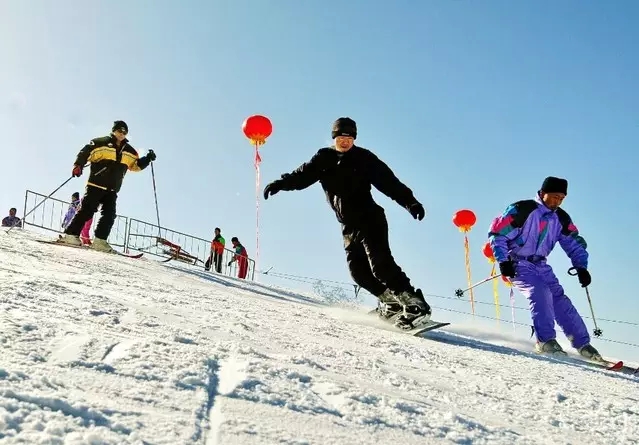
(121, 351)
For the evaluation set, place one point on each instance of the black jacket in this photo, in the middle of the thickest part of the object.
(347, 179)
(108, 163)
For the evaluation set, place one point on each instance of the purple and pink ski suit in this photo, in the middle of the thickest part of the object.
(526, 233)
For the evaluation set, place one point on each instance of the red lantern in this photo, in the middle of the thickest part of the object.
(257, 128)
(488, 251)
(464, 219)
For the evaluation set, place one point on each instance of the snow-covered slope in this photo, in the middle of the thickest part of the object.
(98, 349)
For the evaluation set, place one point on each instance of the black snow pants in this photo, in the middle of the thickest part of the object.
(217, 261)
(369, 257)
(92, 198)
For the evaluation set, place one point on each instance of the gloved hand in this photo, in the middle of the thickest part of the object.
(507, 269)
(272, 188)
(77, 171)
(584, 277)
(417, 210)
(229, 264)
(151, 155)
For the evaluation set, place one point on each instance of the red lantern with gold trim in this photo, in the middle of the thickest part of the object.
(464, 219)
(257, 129)
(488, 252)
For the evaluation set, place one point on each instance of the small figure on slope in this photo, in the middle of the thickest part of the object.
(217, 251)
(241, 256)
(110, 157)
(72, 210)
(12, 220)
(346, 173)
(521, 239)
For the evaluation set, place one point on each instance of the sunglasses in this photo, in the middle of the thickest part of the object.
(123, 131)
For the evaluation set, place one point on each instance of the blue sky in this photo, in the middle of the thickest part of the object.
(471, 103)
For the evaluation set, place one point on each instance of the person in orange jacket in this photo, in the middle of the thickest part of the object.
(217, 251)
(241, 256)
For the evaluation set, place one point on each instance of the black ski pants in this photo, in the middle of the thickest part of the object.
(217, 260)
(369, 257)
(91, 200)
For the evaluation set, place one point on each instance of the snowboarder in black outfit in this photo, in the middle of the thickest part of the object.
(110, 157)
(346, 173)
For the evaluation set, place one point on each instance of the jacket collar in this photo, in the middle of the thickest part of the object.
(115, 141)
(541, 205)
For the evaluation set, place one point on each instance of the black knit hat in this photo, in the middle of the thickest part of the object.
(120, 125)
(555, 185)
(344, 126)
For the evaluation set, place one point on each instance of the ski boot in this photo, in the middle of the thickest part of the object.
(73, 240)
(589, 352)
(416, 311)
(387, 305)
(102, 246)
(549, 347)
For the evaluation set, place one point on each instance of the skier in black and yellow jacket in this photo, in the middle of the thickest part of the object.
(110, 157)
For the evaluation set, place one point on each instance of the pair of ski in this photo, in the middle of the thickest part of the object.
(616, 366)
(608, 365)
(115, 252)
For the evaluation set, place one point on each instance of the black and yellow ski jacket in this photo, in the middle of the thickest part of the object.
(109, 163)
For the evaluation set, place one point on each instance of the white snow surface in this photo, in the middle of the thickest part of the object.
(102, 349)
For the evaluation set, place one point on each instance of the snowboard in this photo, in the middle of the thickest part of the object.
(58, 243)
(430, 326)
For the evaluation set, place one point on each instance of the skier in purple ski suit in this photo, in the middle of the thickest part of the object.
(521, 239)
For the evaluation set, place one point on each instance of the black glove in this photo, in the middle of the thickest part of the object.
(272, 189)
(507, 269)
(584, 277)
(151, 155)
(417, 210)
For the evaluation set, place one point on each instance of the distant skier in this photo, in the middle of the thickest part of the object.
(241, 256)
(71, 211)
(346, 173)
(12, 220)
(110, 157)
(217, 251)
(521, 239)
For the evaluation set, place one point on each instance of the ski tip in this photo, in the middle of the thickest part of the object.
(615, 366)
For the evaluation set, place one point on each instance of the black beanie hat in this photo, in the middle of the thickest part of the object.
(555, 185)
(120, 125)
(344, 126)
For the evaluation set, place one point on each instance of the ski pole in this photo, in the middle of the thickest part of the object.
(155, 194)
(460, 293)
(41, 202)
(596, 332)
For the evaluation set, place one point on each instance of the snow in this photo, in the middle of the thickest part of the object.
(99, 349)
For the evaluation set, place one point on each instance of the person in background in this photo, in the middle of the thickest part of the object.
(12, 220)
(217, 251)
(73, 208)
(241, 256)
